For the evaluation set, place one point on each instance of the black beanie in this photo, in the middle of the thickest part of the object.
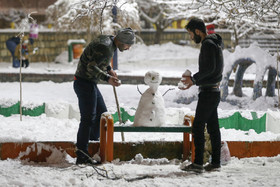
(126, 36)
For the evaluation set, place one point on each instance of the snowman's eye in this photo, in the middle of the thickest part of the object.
(153, 78)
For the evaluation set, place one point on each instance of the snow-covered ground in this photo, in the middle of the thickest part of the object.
(171, 61)
(253, 172)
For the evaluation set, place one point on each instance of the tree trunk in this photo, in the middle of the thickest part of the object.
(236, 38)
(158, 34)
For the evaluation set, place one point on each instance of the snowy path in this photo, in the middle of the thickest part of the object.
(244, 172)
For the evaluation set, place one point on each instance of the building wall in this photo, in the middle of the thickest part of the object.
(51, 44)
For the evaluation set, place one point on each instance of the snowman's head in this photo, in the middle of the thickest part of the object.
(153, 79)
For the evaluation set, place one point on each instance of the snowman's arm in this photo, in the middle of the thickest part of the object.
(139, 90)
(168, 91)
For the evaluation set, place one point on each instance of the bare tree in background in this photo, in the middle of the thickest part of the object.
(94, 16)
(13, 15)
(161, 13)
(245, 16)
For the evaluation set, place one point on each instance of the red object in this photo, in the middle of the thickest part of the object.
(210, 29)
(77, 50)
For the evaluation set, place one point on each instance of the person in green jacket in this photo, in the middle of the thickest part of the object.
(93, 66)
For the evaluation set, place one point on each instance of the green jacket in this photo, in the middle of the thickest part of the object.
(95, 59)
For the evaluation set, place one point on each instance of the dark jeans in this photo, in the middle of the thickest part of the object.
(91, 106)
(206, 112)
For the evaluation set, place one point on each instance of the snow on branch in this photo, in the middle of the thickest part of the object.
(244, 17)
(95, 16)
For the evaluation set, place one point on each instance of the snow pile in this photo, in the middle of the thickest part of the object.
(57, 110)
(159, 57)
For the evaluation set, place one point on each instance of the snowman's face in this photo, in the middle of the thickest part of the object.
(153, 79)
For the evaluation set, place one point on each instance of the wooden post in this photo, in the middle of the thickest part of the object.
(186, 140)
(110, 139)
(103, 138)
(192, 144)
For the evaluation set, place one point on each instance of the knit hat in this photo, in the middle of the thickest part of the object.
(126, 36)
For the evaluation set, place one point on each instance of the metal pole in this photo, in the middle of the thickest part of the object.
(115, 20)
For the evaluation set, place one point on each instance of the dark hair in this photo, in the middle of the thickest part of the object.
(196, 23)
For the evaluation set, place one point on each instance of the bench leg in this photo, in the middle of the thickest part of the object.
(186, 142)
(103, 139)
(192, 145)
(110, 140)
(187, 145)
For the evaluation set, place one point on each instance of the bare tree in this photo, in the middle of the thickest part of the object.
(13, 15)
(161, 13)
(94, 16)
(244, 16)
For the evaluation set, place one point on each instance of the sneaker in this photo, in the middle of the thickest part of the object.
(194, 167)
(84, 158)
(212, 167)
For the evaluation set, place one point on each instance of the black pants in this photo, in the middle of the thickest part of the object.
(206, 112)
(25, 63)
(91, 105)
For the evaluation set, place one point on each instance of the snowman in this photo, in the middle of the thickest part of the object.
(151, 109)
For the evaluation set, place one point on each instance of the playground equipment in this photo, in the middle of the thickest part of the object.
(244, 58)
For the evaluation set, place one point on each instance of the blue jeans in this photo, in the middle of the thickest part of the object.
(91, 106)
(206, 112)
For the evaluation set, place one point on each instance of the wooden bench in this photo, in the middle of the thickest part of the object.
(107, 130)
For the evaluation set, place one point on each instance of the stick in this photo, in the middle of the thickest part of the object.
(119, 111)
(277, 61)
(20, 78)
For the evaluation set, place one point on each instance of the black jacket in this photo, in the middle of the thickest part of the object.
(211, 62)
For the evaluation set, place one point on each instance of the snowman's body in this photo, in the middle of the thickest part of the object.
(151, 109)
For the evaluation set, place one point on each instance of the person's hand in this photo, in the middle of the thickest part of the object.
(113, 73)
(114, 81)
(187, 81)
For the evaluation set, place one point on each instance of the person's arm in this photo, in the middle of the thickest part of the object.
(96, 54)
(93, 69)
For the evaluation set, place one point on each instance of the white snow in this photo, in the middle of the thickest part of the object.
(170, 61)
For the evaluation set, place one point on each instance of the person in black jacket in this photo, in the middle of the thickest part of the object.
(207, 78)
